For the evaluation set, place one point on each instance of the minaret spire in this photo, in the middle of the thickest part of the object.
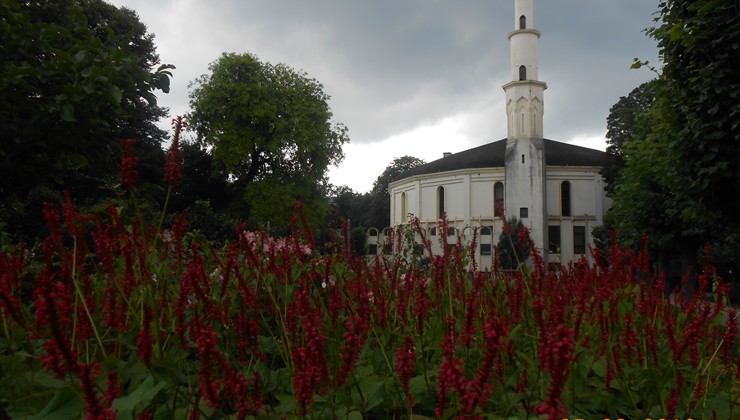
(525, 91)
(525, 171)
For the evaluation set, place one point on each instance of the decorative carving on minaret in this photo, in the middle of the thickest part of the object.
(525, 93)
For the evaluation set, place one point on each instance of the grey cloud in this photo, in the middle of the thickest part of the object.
(392, 66)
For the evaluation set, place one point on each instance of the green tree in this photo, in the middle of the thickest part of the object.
(681, 180)
(76, 77)
(380, 196)
(699, 41)
(510, 251)
(272, 128)
(347, 204)
(626, 121)
(202, 180)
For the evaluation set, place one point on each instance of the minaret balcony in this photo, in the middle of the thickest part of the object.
(524, 31)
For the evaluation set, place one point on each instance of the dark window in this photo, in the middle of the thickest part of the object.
(451, 231)
(372, 232)
(523, 213)
(522, 155)
(372, 249)
(522, 22)
(433, 231)
(579, 239)
(485, 249)
(522, 72)
(440, 202)
(404, 207)
(387, 249)
(486, 231)
(553, 235)
(565, 198)
(498, 199)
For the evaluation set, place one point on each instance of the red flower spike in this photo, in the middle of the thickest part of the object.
(173, 161)
(405, 360)
(129, 164)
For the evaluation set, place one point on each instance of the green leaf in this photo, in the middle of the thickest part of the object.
(374, 391)
(138, 400)
(68, 113)
(66, 404)
(355, 415)
(46, 380)
(80, 56)
(116, 94)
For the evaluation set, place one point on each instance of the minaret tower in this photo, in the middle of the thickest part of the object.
(525, 154)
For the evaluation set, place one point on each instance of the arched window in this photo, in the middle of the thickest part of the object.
(404, 207)
(440, 202)
(565, 198)
(498, 199)
(522, 22)
(485, 240)
(522, 72)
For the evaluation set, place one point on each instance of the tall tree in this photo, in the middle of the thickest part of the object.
(347, 204)
(626, 121)
(699, 41)
(681, 183)
(272, 128)
(76, 77)
(380, 196)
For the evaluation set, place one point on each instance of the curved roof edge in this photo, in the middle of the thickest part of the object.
(491, 155)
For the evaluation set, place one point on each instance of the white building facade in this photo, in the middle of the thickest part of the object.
(554, 188)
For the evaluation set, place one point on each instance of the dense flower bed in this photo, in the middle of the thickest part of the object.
(111, 319)
(115, 319)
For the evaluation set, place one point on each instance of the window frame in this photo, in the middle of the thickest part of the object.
(579, 240)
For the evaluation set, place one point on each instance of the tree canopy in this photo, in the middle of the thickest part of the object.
(626, 121)
(272, 128)
(681, 183)
(76, 77)
(381, 201)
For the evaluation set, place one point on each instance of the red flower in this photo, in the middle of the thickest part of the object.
(129, 163)
(145, 339)
(405, 360)
(173, 162)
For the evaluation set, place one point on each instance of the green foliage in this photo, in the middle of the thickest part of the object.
(511, 251)
(214, 225)
(271, 127)
(267, 328)
(699, 41)
(626, 123)
(680, 183)
(358, 239)
(351, 206)
(380, 198)
(203, 179)
(76, 76)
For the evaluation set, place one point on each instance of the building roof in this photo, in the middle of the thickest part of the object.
(491, 155)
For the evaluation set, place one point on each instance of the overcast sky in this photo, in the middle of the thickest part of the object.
(416, 77)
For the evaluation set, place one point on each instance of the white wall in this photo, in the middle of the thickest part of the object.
(470, 200)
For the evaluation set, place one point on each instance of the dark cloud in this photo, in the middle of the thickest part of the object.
(395, 66)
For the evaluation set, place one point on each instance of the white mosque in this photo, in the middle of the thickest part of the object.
(554, 188)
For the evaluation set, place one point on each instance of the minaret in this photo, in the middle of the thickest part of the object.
(525, 154)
